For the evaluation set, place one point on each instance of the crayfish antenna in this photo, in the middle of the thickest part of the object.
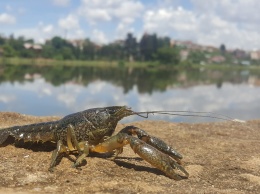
(145, 114)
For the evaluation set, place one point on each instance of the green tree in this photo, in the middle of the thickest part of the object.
(196, 57)
(9, 51)
(17, 44)
(2, 40)
(112, 52)
(131, 46)
(67, 53)
(57, 42)
(60, 49)
(48, 51)
(27, 53)
(168, 55)
(148, 46)
(89, 50)
(163, 42)
(222, 49)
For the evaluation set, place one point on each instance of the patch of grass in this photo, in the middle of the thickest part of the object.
(100, 63)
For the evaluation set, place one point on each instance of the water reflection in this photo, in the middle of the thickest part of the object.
(61, 90)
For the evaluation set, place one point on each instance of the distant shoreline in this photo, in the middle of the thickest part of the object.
(101, 63)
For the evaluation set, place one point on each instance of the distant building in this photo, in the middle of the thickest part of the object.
(35, 47)
(32, 46)
(209, 49)
(217, 59)
(193, 46)
(78, 43)
(186, 44)
(239, 54)
(255, 55)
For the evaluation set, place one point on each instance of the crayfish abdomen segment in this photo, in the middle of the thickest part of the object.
(33, 132)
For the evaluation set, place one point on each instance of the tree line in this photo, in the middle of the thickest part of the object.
(149, 48)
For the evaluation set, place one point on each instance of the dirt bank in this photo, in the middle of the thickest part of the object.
(220, 157)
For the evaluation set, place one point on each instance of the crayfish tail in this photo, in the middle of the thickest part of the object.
(30, 133)
(4, 134)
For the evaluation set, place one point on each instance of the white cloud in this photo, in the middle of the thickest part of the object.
(99, 36)
(101, 11)
(39, 33)
(122, 29)
(128, 10)
(70, 22)
(211, 23)
(68, 27)
(236, 11)
(178, 23)
(79, 33)
(61, 2)
(6, 18)
(96, 15)
(47, 29)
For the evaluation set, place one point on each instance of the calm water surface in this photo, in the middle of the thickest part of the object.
(63, 90)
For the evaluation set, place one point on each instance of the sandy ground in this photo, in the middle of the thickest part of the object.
(221, 157)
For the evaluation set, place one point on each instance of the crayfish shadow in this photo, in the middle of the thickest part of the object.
(34, 146)
(138, 167)
(119, 161)
(37, 146)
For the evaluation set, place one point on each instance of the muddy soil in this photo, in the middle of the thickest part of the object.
(221, 157)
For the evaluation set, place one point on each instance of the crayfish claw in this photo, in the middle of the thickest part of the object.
(158, 159)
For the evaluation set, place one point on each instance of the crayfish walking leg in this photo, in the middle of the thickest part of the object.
(81, 147)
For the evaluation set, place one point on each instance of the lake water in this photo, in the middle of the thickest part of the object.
(62, 90)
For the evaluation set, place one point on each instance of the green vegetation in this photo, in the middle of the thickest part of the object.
(87, 63)
(150, 51)
(168, 56)
(59, 49)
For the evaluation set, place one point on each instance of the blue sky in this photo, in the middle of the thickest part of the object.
(232, 22)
